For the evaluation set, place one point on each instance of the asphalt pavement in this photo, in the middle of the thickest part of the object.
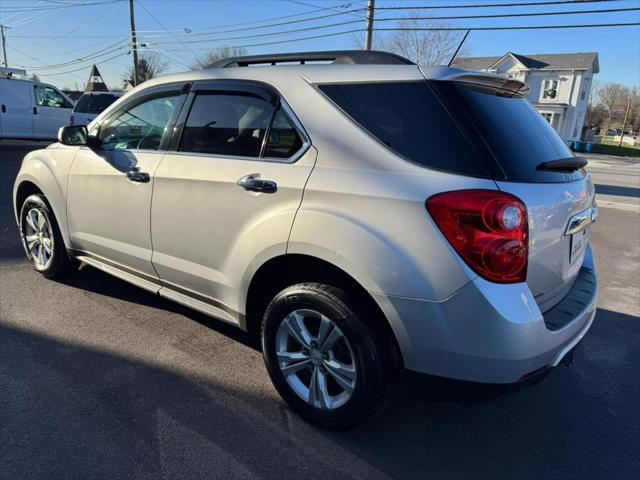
(99, 379)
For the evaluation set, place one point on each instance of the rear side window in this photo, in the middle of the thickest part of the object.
(518, 137)
(94, 103)
(226, 123)
(410, 119)
(283, 139)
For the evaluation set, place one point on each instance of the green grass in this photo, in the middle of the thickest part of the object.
(608, 147)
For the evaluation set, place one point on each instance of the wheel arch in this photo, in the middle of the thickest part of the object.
(282, 271)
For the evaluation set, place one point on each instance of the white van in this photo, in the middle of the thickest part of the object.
(31, 109)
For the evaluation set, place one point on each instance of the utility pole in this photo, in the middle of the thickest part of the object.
(4, 46)
(134, 46)
(624, 122)
(369, 34)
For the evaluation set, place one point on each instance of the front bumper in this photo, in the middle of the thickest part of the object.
(488, 332)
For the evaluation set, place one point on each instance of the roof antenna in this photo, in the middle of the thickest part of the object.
(458, 49)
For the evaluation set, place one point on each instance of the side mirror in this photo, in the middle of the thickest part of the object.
(73, 135)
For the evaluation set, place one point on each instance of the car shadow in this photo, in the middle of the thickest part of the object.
(93, 280)
(71, 410)
(617, 190)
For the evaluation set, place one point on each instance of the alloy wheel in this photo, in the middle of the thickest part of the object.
(38, 237)
(316, 359)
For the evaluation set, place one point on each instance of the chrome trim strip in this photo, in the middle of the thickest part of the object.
(164, 284)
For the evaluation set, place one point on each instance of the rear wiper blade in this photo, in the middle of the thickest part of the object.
(564, 164)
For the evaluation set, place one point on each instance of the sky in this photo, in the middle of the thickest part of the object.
(60, 39)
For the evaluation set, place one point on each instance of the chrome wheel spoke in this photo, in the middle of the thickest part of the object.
(295, 367)
(46, 243)
(295, 324)
(42, 222)
(40, 255)
(343, 374)
(318, 393)
(334, 337)
(31, 222)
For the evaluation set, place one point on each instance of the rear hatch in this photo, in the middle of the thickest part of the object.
(521, 147)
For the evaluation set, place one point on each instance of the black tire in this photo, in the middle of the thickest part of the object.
(374, 353)
(58, 261)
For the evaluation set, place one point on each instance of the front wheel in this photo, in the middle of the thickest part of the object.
(326, 357)
(41, 238)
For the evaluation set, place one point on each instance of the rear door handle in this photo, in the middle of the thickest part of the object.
(3, 108)
(255, 183)
(35, 110)
(136, 176)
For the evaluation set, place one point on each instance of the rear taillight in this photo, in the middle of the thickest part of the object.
(488, 229)
(71, 120)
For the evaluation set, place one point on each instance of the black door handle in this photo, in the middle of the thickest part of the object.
(35, 110)
(3, 109)
(136, 176)
(255, 183)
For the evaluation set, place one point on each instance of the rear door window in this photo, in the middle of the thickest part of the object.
(410, 119)
(226, 123)
(94, 103)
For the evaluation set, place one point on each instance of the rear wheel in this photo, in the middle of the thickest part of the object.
(326, 357)
(41, 238)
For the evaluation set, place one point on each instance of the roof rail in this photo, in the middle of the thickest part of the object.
(365, 57)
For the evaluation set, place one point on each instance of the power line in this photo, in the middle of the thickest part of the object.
(492, 5)
(36, 59)
(356, 30)
(162, 25)
(57, 6)
(84, 67)
(351, 22)
(98, 53)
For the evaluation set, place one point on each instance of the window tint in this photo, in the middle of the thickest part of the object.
(283, 140)
(50, 97)
(94, 103)
(409, 119)
(141, 127)
(519, 137)
(226, 123)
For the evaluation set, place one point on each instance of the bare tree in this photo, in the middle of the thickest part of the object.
(611, 96)
(150, 65)
(424, 47)
(217, 54)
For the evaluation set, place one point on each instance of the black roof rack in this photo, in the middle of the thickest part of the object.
(364, 57)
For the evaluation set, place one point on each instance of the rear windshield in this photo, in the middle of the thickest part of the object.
(410, 119)
(515, 134)
(94, 103)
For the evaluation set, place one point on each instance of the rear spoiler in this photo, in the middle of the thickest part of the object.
(489, 81)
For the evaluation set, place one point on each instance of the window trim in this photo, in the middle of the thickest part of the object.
(543, 90)
(273, 96)
(138, 99)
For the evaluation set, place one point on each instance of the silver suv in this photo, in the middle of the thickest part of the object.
(360, 213)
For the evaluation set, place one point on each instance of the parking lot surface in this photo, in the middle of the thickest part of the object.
(99, 379)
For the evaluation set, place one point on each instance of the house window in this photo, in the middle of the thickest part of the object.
(548, 117)
(586, 87)
(550, 89)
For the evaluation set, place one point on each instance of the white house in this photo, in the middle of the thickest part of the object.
(560, 83)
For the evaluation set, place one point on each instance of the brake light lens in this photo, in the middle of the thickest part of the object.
(488, 229)
(71, 120)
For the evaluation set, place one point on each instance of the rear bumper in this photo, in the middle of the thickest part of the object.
(487, 332)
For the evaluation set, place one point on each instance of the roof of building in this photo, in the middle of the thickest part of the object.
(95, 83)
(542, 61)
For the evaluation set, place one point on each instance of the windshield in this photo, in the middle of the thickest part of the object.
(514, 133)
(94, 103)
